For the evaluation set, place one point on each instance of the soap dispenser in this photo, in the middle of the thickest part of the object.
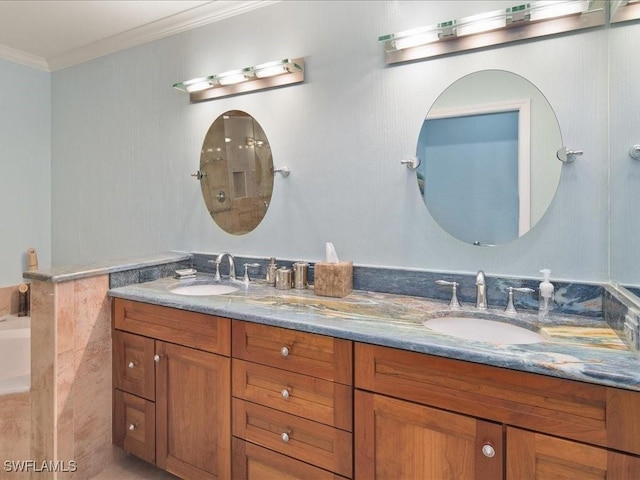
(546, 288)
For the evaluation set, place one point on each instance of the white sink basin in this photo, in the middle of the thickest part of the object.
(203, 289)
(482, 330)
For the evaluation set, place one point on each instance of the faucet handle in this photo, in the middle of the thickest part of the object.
(454, 303)
(511, 309)
(217, 278)
(246, 278)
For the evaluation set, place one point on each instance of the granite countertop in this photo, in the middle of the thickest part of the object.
(577, 348)
(75, 272)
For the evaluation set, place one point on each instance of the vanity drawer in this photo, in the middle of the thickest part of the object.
(305, 440)
(133, 365)
(251, 462)
(321, 400)
(307, 353)
(567, 408)
(134, 425)
(190, 329)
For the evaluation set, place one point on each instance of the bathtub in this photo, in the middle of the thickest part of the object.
(15, 354)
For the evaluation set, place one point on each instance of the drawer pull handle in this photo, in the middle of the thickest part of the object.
(285, 437)
(488, 450)
(156, 358)
(285, 393)
(284, 351)
(132, 364)
(132, 426)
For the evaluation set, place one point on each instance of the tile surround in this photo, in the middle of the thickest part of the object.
(71, 375)
(15, 425)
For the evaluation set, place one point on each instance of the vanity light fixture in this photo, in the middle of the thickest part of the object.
(520, 22)
(624, 10)
(484, 22)
(245, 80)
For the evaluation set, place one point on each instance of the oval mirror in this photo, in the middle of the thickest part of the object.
(487, 148)
(236, 168)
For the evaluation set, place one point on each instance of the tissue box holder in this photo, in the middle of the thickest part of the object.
(333, 279)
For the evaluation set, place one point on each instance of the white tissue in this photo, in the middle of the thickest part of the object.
(332, 256)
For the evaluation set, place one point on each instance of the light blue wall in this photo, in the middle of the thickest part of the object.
(125, 143)
(25, 169)
(625, 172)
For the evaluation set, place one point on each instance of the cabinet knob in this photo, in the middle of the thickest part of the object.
(285, 393)
(132, 364)
(488, 450)
(285, 437)
(156, 358)
(132, 427)
(284, 351)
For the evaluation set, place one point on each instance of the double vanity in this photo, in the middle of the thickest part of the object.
(250, 382)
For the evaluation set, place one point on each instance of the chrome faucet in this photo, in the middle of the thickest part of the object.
(481, 291)
(232, 265)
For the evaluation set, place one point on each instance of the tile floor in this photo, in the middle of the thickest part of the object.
(131, 468)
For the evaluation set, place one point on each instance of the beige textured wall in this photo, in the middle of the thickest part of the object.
(15, 426)
(71, 376)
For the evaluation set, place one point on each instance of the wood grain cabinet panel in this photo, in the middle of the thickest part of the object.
(311, 442)
(252, 462)
(542, 457)
(187, 430)
(551, 405)
(193, 408)
(416, 413)
(133, 365)
(396, 439)
(134, 425)
(307, 353)
(321, 400)
(196, 330)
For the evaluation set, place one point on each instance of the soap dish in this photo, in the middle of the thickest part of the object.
(185, 273)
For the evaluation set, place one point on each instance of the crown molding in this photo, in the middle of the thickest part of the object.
(23, 58)
(211, 12)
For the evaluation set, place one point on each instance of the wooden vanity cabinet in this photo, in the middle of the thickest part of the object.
(292, 404)
(172, 388)
(420, 416)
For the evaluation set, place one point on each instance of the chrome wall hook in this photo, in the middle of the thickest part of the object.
(199, 174)
(634, 152)
(412, 163)
(284, 171)
(568, 156)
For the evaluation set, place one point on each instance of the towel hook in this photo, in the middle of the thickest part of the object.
(412, 163)
(284, 171)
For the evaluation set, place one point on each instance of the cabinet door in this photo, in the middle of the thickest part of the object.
(399, 439)
(193, 421)
(534, 455)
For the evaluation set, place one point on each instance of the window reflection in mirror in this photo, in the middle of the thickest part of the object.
(237, 168)
(488, 169)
